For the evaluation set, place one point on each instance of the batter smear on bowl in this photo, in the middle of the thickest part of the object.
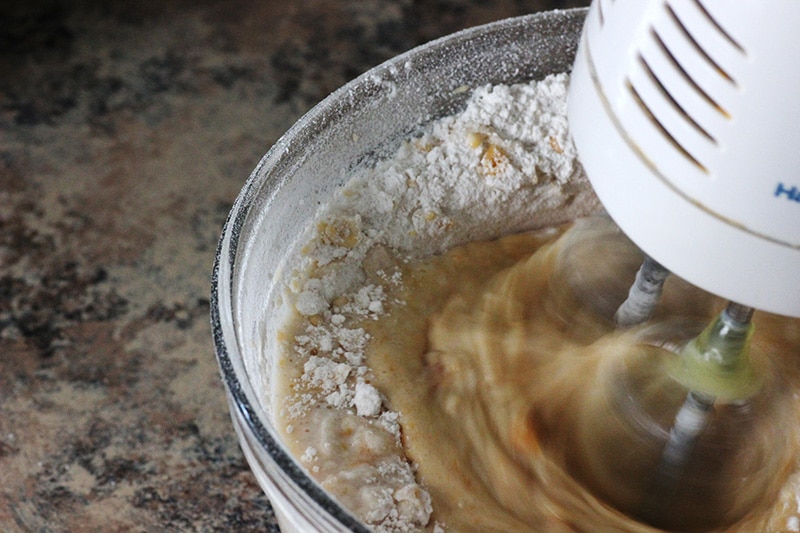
(429, 364)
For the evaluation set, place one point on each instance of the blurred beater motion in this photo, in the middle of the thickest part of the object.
(686, 117)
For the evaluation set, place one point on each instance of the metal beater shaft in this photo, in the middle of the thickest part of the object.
(694, 416)
(643, 295)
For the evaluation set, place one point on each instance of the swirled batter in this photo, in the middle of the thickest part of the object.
(503, 364)
(486, 389)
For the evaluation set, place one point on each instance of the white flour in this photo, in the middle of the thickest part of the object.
(504, 164)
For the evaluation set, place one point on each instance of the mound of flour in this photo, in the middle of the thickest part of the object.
(503, 165)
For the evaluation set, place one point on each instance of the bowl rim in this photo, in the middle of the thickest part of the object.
(225, 342)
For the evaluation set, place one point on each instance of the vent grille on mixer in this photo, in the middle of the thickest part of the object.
(666, 94)
(672, 77)
(718, 26)
(691, 39)
(600, 10)
(664, 131)
(688, 78)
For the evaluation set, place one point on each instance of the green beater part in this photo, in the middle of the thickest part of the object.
(716, 363)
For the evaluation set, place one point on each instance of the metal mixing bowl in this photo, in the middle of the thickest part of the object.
(355, 126)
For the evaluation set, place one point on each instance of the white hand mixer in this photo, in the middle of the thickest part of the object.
(686, 117)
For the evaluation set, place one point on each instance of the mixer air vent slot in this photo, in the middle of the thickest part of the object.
(674, 103)
(689, 79)
(600, 15)
(664, 131)
(719, 27)
(700, 50)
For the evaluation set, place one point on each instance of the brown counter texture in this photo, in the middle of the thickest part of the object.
(126, 131)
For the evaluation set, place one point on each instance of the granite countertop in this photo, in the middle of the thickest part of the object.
(126, 131)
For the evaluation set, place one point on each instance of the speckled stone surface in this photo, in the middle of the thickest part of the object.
(126, 131)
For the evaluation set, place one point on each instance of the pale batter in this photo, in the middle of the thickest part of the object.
(498, 368)
(499, 355)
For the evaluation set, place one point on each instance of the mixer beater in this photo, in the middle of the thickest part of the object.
(714, 364)
(679, 420)
(685, 117)
(644, 294)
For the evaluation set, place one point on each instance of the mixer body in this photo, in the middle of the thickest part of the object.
(686, 117)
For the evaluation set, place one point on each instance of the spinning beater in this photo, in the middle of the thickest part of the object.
(686, 117)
